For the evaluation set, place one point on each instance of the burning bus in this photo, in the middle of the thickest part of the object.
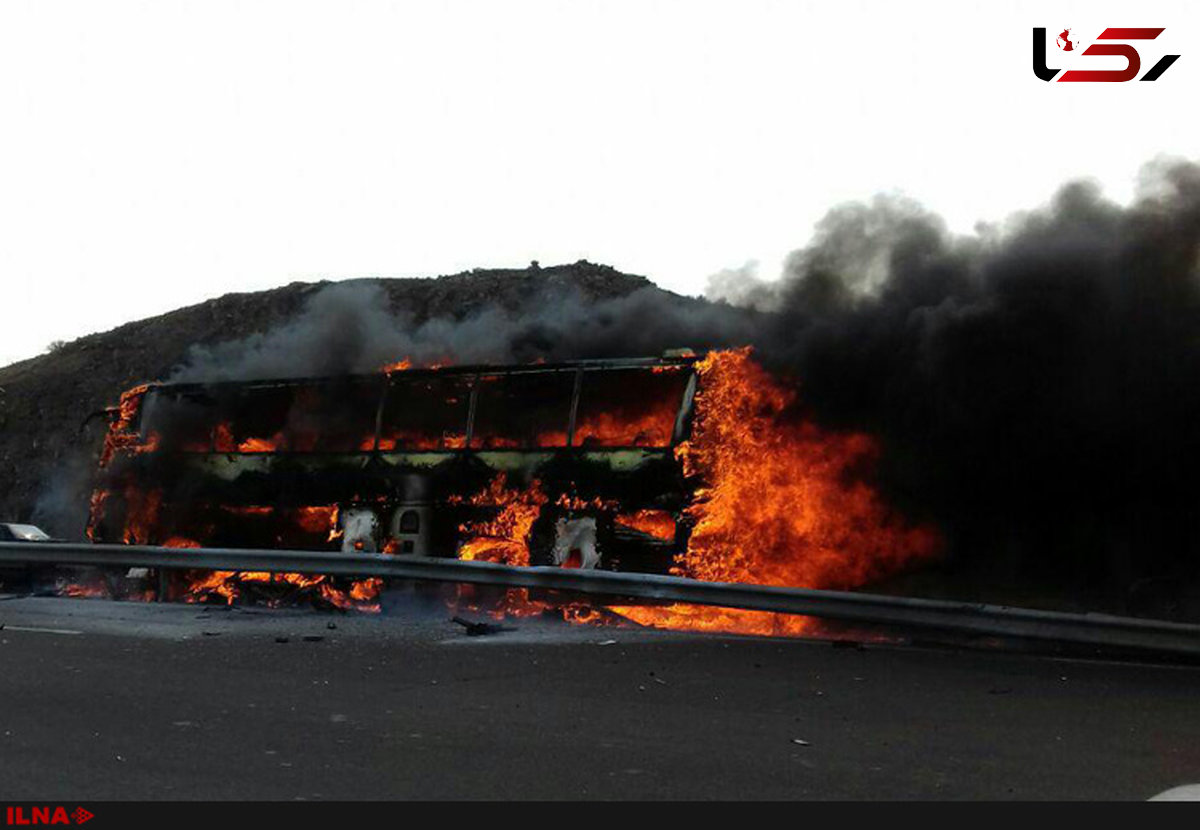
(704, 467)
(571, 463)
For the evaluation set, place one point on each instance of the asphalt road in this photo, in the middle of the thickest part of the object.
(178, 702)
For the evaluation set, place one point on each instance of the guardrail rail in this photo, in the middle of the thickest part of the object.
(972, 618)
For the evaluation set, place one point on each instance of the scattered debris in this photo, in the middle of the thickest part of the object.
(480, 629)
(847, 644)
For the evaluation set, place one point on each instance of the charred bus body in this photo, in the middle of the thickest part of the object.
(412, 462)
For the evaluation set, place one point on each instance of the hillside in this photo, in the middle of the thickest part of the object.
(47, 453)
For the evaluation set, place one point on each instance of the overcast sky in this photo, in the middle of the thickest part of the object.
(155, 154)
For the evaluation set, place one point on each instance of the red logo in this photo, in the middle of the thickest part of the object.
(19, 816)
(1068, 42)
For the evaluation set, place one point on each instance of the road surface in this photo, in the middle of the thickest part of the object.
(102, 700)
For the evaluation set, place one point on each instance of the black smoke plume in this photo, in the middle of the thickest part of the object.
(1036, 385)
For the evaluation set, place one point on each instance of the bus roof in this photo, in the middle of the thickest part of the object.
(681, 358)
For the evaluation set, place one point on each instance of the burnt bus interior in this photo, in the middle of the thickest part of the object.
(428, 452)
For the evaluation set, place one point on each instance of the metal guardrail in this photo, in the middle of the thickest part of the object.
(994, 620)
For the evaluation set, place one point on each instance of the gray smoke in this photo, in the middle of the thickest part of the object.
(348, 328)
(62, 504)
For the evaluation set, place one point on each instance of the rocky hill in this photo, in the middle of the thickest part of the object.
(47, 452)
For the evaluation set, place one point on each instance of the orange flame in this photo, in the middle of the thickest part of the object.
(505, 538)
(657, 523)
(684, 617)
(781, 504)
(223, 441)
(610, 429)
(361, 594)
(121, 435)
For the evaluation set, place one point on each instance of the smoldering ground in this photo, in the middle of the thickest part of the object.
(1033, 384)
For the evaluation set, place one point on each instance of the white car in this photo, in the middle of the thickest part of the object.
(14, 575)
(10, 532)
